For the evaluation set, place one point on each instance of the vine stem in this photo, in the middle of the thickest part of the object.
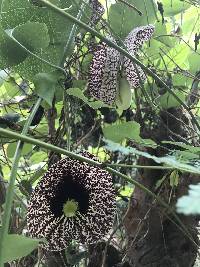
(139, 166)
(13, 174)
(16, 159)
(123, 51)
(24, 138)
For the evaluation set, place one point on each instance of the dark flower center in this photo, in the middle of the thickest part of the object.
(68, 189)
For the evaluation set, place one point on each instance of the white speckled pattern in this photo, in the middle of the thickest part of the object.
(106, 63)
(85, 228)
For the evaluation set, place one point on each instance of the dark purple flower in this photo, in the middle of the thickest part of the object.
(73, 201)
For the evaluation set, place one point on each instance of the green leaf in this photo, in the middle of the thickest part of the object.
(169, 101)
(25, 187)
(38, 157)
(126, 191)
(18, 12)
(189, 148)
(123, 18)
(79, 93)
(3, 76)
(169, 160)
(27, 148)
(18, 246)
(175, 56)
(161, 35)
(10, 52)
(119, 132)
(172, 8)
(12, 89)
(36, 175)
(190, 24)
(190, 204)
(194, 59)
(32, 35)
(126, 130)
(174, 178)
(45, 85)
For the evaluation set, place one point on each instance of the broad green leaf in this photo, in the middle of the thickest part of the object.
(18, 246)
(96, 104)
(169, 101)
(119, 132)
(10, 52)
(32, 35)
(18, 12)
(169, 160)
(45, 85)
(153, 50)
(12, 89)
(190, 204)
(172, 8)
(175, 56)
(179, 80)
(38, 157)
(32, 65)
(161, 35)
(12, 13)
(79, 93)
(27, 148)
(194, 61)
(123, 18)
(126, 130)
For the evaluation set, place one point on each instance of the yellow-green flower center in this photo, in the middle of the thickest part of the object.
(70, 208)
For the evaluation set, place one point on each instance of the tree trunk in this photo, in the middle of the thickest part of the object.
(154, 238)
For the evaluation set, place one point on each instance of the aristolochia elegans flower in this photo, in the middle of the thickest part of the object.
(73, 201)
(104, 67)
(107, 61)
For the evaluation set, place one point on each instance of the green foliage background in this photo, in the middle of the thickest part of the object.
(33, 43)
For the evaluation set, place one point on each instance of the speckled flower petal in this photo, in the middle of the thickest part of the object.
(90, 186)
(102, 82)
(133, 41)
(98, 10)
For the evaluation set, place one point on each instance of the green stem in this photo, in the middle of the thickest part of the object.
(56, 149)
(140, 166)
(124, 52)
(71, 36)
(10, 189)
